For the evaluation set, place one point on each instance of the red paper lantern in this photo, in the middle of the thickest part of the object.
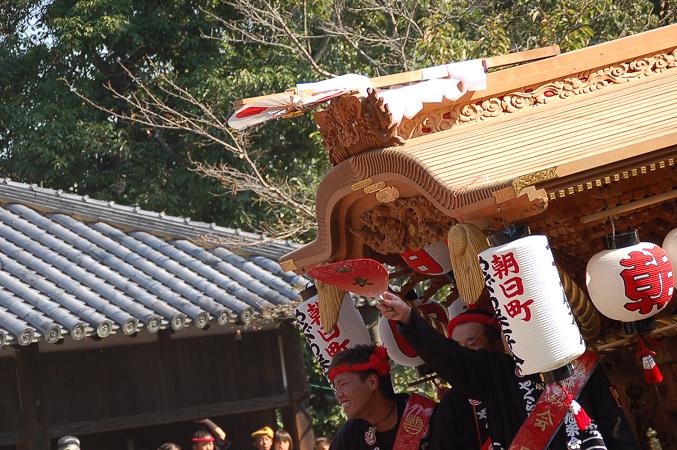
(630, 283)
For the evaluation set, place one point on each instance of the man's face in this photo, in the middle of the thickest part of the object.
(262, 442)
(203, 446)
(471, 335)
(353, 393)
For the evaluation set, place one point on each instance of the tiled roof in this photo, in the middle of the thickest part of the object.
(95, 269)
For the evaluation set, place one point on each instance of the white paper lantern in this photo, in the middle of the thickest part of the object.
(527, 294)
(348, 332)
(399, 349)
(433, 259)
(630, 283)
(670, 247)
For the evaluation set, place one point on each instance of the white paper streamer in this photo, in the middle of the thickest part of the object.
(348, 332)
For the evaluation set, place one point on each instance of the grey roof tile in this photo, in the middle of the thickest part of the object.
(80, 275)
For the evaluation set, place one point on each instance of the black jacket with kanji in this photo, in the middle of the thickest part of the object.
(491, 377)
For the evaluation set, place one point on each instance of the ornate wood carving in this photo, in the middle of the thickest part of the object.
(403, 223)
(352, 125)
(534, 178)
(582, 83)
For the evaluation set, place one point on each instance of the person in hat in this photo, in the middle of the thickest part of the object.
(68, 443)
(262, 439)
(473, 361)
(361, 380)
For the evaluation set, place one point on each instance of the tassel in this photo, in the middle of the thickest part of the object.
(465, 242)
(652, 373)
(582, 419)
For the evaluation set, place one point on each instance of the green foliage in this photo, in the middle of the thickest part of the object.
(50, 137)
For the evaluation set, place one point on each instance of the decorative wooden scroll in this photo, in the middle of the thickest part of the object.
(582, 83)
(410, 223)
(351, 125)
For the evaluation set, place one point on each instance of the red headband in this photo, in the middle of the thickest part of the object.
(473, 315)
(378, 362)
(203, 439)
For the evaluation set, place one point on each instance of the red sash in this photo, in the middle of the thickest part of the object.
(414, 422)
(548, 413)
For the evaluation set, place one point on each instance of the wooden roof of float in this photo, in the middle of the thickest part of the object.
(574, 123)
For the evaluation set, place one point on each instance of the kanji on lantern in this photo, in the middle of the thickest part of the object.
(648, 279)
(516, 307)
(512, 287)
(336, 347)
(503, 265)
(331, 335)
(314, 313)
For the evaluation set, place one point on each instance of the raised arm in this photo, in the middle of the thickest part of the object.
(214, 428)
(469, 370)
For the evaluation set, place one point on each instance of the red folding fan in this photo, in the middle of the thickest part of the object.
(365, 277)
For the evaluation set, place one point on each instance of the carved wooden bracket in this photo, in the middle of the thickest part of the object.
(352, 125)
(410, 223)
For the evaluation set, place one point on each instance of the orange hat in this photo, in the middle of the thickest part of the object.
(265, 431)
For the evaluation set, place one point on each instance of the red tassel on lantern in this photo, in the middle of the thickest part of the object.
(582, 419)
(652, 373)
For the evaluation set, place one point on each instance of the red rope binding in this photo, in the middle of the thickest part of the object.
(582, 419)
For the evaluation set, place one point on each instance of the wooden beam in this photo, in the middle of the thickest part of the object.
(36, 429)
(621, 209)
(417, 75)
(171, 416)
(521, 57)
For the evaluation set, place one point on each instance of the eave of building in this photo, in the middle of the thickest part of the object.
(133, 218)
(509, 158)
(67, 273)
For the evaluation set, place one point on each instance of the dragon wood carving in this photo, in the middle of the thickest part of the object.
(350, 126)
(410, 223)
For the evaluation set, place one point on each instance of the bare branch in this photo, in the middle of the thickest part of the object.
(150, 108)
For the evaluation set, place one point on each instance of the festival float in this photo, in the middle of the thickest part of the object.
(452, 177)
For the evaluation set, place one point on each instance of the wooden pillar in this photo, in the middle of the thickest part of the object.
(296, 419)
(36, 428)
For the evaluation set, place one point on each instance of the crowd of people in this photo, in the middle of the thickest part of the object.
(210, 436)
